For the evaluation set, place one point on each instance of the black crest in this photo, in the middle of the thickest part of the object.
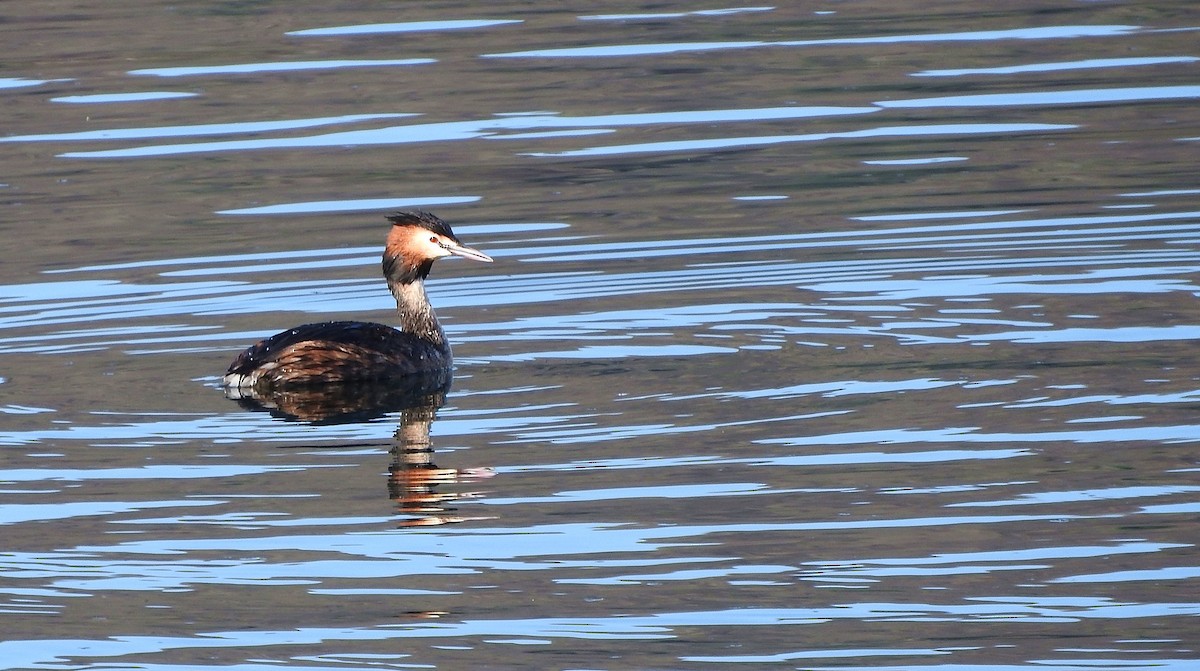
(423, 220)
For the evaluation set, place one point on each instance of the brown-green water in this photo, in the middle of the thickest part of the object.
(823, 336)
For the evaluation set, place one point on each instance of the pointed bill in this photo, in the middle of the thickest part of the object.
(466, 252)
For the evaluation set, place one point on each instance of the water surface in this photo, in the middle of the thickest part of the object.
(834, 336)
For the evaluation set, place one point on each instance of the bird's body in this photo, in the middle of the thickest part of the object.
(344, 352)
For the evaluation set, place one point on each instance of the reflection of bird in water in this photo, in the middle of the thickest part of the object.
(341, 352)
(413, 478)
(345, 403)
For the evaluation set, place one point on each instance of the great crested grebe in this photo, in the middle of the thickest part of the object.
(342, 352)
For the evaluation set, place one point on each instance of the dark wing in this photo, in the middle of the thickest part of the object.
(331, 352)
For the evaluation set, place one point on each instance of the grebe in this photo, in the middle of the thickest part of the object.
(342, 352)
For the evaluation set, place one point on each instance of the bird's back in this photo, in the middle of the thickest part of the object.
(335, 352)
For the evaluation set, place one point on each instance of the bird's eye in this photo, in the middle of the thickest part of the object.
(433, 239)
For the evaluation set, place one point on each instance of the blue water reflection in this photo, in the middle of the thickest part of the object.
(1055, 67)
(256, 68)
(444, 131)
(402, 27)
(198, 129)
(1042, 33)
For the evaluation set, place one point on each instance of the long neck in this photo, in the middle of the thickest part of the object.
(416, 314)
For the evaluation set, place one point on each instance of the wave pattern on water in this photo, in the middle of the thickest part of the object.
(793, 324)
(842, 296)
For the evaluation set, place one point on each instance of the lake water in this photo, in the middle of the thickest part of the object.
(822, 335)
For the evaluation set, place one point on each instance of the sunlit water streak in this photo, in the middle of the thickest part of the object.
(1050, 32)
(100, 98)
(1055, 67)
(197, 129)
(402, 27)
(255, 68)
(466, 130)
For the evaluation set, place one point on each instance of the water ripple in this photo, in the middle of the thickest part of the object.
(198, 129)
(765, 140)
(1041, 33)
(460, 130)
(1075, 97)
(404, 27)
(1085, 64)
